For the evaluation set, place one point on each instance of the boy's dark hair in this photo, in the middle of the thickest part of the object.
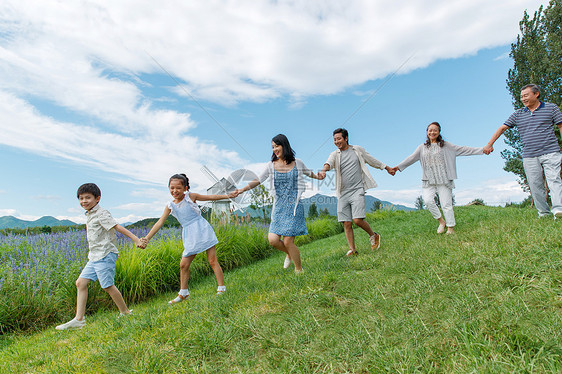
(288, 152)
(182, 177)
(89, 188)
(343, 133)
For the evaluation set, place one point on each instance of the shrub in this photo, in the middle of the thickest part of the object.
(319, 228)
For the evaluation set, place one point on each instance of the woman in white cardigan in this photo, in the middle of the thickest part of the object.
(286, 174)
(439, 170)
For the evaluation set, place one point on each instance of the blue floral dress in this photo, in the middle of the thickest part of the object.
(284, 220)
(197, 234)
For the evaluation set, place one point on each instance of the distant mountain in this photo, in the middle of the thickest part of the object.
(331, 203)
(10, 222)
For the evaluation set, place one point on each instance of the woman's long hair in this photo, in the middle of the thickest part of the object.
(439, 139)
(288, 153)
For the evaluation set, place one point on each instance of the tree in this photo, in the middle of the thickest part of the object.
(312, 211)
(536, 59)
(261, 200)
(377, 205)
(324, 213)
(45, 229)
(419, 202)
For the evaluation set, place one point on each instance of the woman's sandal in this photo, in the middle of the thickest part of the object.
(351, 252)
(178, 299)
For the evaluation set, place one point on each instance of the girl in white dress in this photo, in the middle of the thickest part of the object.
(197, 234)
(439, 170)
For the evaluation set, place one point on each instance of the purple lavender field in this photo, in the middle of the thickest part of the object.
(38, 272)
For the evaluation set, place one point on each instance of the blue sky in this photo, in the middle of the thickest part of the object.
(84, 98)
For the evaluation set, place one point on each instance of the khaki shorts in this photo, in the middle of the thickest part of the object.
(351, 204)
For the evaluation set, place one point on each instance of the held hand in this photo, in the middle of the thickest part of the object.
(390, 170)
(238, 191)
(233, 194)
(143, 243)
(488, 149)
(321, 174)
(139, 243)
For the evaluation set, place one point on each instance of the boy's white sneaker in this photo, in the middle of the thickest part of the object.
(72, 324)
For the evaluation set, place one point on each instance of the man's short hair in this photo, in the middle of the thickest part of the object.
(341, 131)
(89, 188)
(534, 88)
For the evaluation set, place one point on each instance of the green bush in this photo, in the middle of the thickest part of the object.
(319, 228)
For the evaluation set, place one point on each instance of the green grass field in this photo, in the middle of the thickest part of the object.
(488, 299)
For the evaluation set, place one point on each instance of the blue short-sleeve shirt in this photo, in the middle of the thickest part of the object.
(537, 129)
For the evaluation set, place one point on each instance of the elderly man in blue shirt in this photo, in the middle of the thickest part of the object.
(541, 152)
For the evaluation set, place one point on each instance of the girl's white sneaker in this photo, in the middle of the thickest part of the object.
(178, 299)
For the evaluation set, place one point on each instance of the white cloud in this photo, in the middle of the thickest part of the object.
(118, 153)
(87, 53)
(81, 218)
(146, 208)
(503, 56)
(74, 86)
(8, 212)
(493, 192)
(402, 197)
(129, 218)
(47, 197)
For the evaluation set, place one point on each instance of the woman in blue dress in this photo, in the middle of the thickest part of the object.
(287, 184)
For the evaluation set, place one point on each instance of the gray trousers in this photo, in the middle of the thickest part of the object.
(549, 164)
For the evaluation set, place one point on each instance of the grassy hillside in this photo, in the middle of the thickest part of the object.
(487, 299)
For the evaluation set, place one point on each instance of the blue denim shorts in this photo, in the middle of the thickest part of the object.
(104, 270)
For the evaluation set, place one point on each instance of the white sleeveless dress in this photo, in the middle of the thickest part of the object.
(197, 234)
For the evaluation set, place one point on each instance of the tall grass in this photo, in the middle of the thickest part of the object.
(321, 227)
(141, 274)
(38, 272)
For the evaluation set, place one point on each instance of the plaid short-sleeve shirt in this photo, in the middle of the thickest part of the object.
(100, 232)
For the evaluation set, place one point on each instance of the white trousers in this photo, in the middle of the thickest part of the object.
(548, 164)
(445, 198)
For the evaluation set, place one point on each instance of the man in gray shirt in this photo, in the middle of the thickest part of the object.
(352, 179)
